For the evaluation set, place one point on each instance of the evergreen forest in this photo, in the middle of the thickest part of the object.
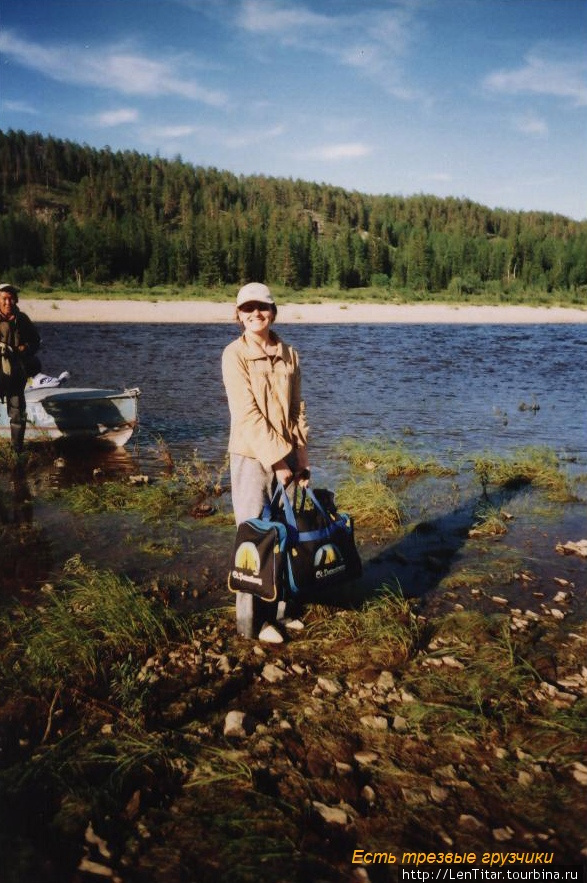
(73, 215)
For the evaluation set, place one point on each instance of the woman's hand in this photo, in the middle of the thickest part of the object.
(283, 473)
(302, 477)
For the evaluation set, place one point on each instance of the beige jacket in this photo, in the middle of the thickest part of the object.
(267, 414)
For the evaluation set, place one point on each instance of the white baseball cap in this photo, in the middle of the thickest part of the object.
(255, 291)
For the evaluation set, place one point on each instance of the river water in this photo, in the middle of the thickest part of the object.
(444, 390)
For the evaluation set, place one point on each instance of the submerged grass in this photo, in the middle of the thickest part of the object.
(391, 459)
(153, 501)
(372, 503)
(535, 466)
(490, 521)
(121, 725)
(191, 482)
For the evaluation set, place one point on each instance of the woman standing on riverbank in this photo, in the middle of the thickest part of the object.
(268, 428)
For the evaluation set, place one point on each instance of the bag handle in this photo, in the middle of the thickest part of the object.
(308, 492)
(280, 495)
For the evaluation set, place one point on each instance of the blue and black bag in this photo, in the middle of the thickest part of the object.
(294, 550)
(321, 551)
(258, 559)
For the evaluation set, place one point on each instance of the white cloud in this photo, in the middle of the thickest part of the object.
(372, 42)
(542, 76)
(116, 117)
(349, 150)
(530, 124)
(19, 107)
(269, 16)
(115, 68)
(169, 133)
(213, 135)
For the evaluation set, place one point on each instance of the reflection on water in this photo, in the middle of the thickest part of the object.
(447, 390)
(25, 553)
(74, 464)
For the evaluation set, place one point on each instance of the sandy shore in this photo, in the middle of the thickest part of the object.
(327, 313)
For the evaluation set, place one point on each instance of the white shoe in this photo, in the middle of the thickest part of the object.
(296, 625)
(270, 634)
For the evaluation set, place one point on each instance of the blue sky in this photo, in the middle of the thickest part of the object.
(482, 99)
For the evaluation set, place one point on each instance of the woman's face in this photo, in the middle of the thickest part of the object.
(256, 317)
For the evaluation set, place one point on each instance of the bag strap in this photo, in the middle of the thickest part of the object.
(307, 491)
(280, 496)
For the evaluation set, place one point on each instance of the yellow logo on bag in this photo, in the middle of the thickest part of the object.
(328, 561)
(247, 558)
(325, 555)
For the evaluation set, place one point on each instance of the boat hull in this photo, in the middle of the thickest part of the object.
(105, 416)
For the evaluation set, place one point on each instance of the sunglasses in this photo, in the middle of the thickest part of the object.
(253, 305)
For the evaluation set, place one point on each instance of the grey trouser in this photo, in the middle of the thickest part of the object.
(252, 487)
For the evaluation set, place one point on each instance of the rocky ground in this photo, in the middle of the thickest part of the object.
(280, 762)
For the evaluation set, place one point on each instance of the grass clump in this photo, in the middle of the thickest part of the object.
(490, 522)
(472, 679)
(198, 478)
(372, 503)
(191, 482)
(8, 457)
(385, 628)
(154, 501)
(535, 466)
(96, 617)
(391, 459)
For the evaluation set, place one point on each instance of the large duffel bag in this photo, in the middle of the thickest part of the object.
(321, 552)
(294, 549)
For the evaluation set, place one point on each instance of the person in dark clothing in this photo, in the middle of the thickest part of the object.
(19, 342)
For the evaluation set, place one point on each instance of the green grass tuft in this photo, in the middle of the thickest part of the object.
(535, 466)
(372, 503)
(96, 617)
(390, 459)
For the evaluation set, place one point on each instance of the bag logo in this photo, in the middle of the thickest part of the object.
(328, 561)
(247, 564)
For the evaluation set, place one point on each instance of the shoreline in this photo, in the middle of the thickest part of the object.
(335, 312)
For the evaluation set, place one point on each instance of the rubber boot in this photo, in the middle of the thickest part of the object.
(17, 431)
(245, 615)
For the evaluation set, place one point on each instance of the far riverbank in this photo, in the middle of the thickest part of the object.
(199, 311)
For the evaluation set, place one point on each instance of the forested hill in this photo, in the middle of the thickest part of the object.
(71, 214)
